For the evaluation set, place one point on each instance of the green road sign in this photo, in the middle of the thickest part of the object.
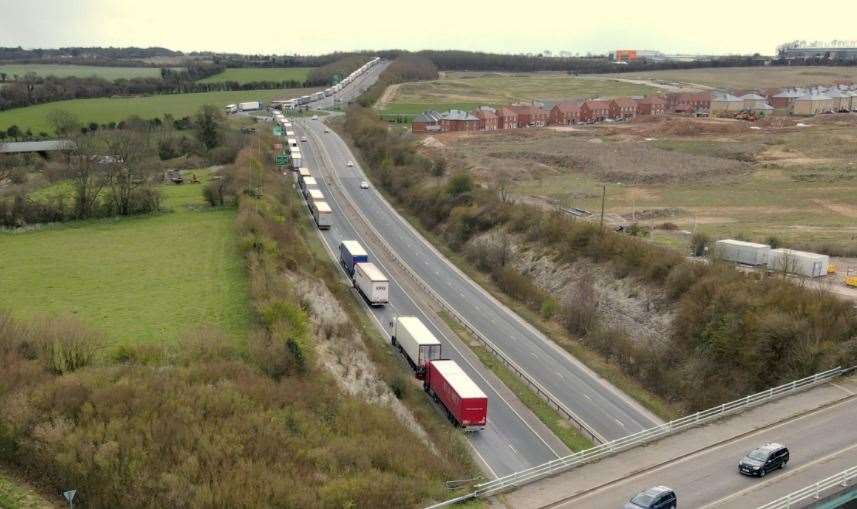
(337, 78)
(282, 159)
(277, 130)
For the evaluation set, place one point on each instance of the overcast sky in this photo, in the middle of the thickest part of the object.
(282, 26)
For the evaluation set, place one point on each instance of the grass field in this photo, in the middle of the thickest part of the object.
(143, 279)
(81, 71)
(469, 89)
(250, 74)
(104, 110)
(749, 77)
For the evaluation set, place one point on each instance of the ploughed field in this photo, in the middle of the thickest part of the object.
(139, 279)
(710, 175)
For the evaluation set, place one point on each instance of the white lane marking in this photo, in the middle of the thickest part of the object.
(785, 475)
(620, 423)
(323, 155)
(534, 354)
(847, 391)
(587, 397)
(513, 449)
(560, 375)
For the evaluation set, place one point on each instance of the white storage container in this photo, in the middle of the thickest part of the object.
(416, 342)
(801, 263)
(372, 283)
(322, 214)
(738, 251)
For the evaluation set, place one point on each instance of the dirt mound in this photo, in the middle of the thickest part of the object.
(673, 126)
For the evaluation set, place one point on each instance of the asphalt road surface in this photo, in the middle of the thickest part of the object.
(508, 443)
(605, 409)
(820, 443)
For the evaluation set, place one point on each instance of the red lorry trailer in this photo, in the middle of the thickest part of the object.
(465, 403)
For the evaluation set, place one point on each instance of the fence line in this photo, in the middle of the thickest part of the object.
(814, 491)
(553, 467)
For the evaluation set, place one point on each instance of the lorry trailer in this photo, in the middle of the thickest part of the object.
(307, 183)
(322, 214)
(372, 283)
(250, 106)
(465, 403)
(314, 195)
(304, 172)
(351, 253)
(416, 342)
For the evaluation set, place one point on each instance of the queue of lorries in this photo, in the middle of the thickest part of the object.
(327, 92)
(443, 379)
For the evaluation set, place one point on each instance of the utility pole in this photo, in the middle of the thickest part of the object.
(603, 197)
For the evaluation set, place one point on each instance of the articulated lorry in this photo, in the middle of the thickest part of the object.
(372, 283)
(350, 254)
(322, 214)
(465, 403)
(416, 342)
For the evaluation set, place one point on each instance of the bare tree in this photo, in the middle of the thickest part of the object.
(64, 123)
(503, 189)
(87, 174)
(129, 151)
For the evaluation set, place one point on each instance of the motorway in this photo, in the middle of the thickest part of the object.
(607, 411)
(821, 444)
(509, 442)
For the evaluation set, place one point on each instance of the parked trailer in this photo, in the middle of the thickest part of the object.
(801, 263)
(322, 214)
(738, 251)
(293, 143)
(465, 403)
(304, 172)
(296, 160)
(372, 283)
(416, 342)
(351, 253)
(250, 106)
(314, 195)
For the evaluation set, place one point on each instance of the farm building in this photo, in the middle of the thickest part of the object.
(651, 105)
(506, 118)
(595, 111)
(565, 113)
(800, 263)
(425, 122)
(623, 107)
(487, 118)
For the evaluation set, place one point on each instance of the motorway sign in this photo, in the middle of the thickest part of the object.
(277, 130)
(282, 159)
(69, 496)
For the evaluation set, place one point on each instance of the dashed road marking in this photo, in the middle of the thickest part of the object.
(620, 423)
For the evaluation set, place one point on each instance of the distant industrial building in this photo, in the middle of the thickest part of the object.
(833, 50)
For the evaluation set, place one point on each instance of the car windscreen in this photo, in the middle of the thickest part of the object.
(758, 455)
(643, 499)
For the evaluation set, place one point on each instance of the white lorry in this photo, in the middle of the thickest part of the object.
(372, 283)
(322, 214)
(416, 342)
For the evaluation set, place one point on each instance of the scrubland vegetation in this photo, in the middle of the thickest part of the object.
(733, 333)
(211, 419)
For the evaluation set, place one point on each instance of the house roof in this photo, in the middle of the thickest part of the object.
(597, 104)
(457, 115)
(15, 147)
(484, 114)
(568, 107)
(427, 117)
(625, 102)
(506, 112)
(752, 97)
(814, 97)
(652, 99)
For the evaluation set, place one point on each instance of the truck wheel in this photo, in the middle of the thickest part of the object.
(393, 340)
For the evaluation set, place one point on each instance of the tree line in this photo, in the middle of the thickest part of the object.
(407, 67)
(111, 172)
(733, 333)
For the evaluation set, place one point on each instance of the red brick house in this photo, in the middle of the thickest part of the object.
(531, 116)
(566, 113)
(595, 111)
(487, 119)
(426, 122)
(651, 105)
(685, 102)
(623, 107)
(506, 118)
(457, 120)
